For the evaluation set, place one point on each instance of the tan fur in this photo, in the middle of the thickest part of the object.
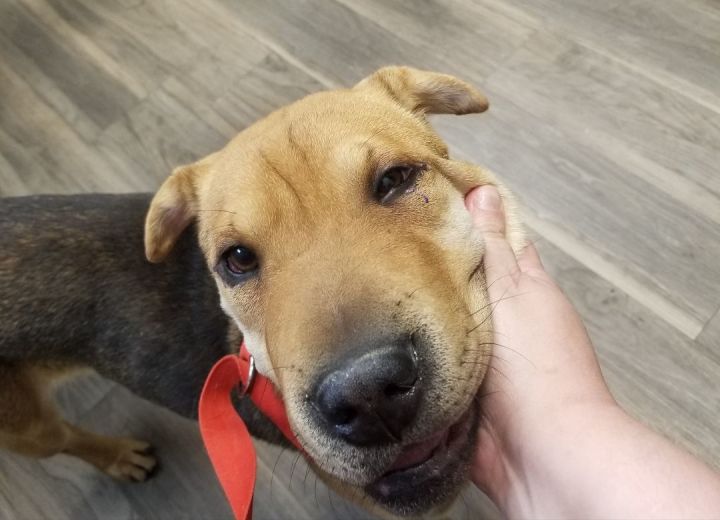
(296, 188)
(32, 426)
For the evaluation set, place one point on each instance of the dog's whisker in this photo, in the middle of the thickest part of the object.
(307, 472)
(292, 471)
(286, 367)
(514, 272)
(493, 305)
(332, 504)
(487, 394)
(272, 475)
(411, 293)
(537, 240)
(480, 364)
(485, 320)
(492, 310)
(503, 298)
(492, 357)
(218, 211)
(372, 136)
(474, 349)
(364, 498)
(500, 373)
(207, 232)
(317, 502)
(357, 496)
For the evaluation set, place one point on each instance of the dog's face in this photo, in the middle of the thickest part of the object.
(337, 234)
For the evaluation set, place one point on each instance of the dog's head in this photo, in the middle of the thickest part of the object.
(336, 231)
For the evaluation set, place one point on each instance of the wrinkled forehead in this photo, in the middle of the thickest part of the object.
(304, 158)
(327, 133)
(335, 115)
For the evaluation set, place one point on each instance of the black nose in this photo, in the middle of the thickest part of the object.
(372, 396)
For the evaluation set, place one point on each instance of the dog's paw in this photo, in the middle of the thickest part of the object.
(134, 462)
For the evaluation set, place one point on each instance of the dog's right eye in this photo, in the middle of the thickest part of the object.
(395, 180)
(240, 260)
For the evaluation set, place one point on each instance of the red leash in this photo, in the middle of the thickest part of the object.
(224, 433)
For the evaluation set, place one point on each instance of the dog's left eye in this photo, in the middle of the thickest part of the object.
(240, 260)
(395, 180)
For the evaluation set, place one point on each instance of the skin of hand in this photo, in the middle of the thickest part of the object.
(544, 362)
(553, 442)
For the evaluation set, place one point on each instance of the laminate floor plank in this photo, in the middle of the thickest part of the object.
(145, 62)
(674, 43)
(459, 35)
(144, 37)
(50, 141)
(22, 175)
(709, 338)
(70, 62)
(571, 86)
(329, 37)
(46, 89)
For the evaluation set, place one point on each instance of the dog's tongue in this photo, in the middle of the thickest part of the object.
(414, 454)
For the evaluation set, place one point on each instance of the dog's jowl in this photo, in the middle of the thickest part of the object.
(332, 233)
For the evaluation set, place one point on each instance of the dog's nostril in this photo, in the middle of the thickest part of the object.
(344, 415)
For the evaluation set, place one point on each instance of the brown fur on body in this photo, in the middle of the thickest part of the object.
(76, 291)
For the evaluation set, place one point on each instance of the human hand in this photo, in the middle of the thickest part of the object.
(552, 441)
(543, 372)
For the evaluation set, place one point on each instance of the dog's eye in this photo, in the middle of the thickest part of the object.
(396, 180)
(240, 260)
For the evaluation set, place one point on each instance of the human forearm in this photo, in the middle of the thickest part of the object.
(598, 462)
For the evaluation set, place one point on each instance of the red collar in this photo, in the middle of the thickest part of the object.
(224, 433)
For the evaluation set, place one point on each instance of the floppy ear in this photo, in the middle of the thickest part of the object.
(172, 209)
(426, 92)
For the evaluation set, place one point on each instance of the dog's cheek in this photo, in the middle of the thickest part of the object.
(466, 246)
(255, 343)
(254, 340)
(459, 238)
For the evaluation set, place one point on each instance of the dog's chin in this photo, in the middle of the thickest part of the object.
(428, 474)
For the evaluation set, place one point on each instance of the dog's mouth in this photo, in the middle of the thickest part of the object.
(426, 473)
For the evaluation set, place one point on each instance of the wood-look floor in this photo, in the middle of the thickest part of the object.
(604, 120)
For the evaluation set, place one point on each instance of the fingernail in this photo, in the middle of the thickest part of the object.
(488, 199)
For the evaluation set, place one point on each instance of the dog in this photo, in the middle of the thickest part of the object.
(332, 233)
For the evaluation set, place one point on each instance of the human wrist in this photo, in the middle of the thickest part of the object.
(533, 459)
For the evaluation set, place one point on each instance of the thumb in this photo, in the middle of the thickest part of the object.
(486, 208)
